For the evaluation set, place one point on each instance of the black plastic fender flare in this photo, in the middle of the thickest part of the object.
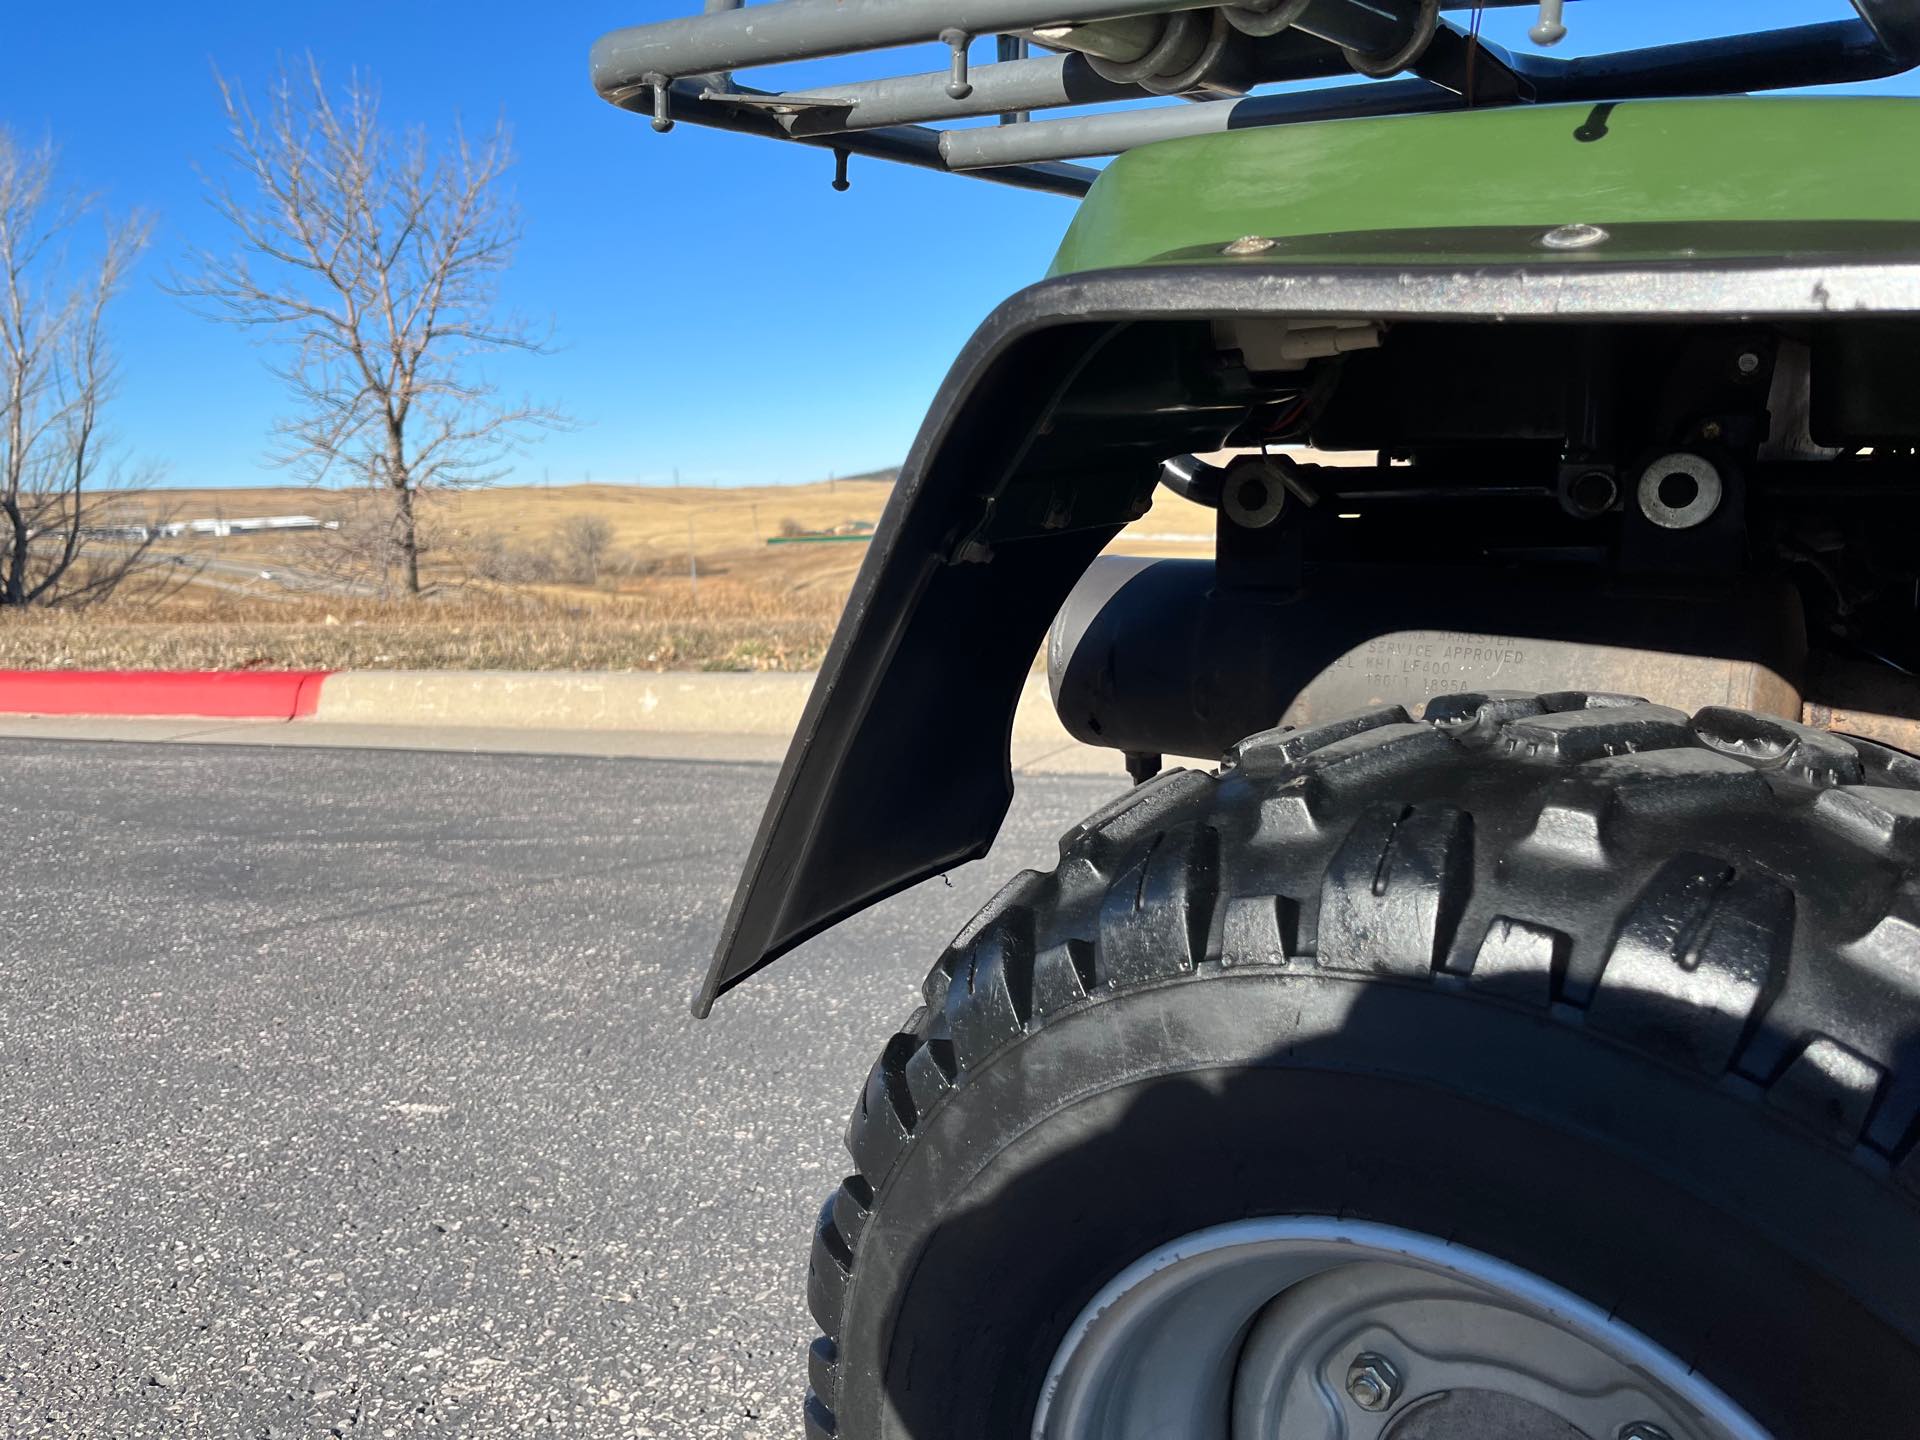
(900, 766)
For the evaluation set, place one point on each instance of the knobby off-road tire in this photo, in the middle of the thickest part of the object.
(1626, 998)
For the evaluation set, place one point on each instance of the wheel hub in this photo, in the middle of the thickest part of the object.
(1305, 1328)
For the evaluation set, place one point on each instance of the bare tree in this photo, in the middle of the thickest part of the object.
(357, 552)
(585, 541)
(60, 538)
(495, 556)
(377, 263)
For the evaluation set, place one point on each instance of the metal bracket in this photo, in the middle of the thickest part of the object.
(661, 87)
(958, 86)
(778, 104)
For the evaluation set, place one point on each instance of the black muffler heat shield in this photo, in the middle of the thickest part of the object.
(1153, 657)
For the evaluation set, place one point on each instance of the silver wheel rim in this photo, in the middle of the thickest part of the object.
(1254, 1330)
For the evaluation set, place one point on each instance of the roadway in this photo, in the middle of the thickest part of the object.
(354, 1092)
(264, 578)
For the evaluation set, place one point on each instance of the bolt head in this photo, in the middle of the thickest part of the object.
(1249, 245)
(1747, 363)
(1252, 494)
(1369, 1392)
(1372, 1382)
(1573, 237)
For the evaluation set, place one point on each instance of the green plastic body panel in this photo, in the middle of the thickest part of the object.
(1652, 163)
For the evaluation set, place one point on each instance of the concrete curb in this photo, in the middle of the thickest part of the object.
(690, 710)
(677, 702)
(210, 694)
(718, 703)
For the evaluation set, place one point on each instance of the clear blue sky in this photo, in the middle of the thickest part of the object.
(719, 309)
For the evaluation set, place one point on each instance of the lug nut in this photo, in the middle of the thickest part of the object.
(1373, 1384)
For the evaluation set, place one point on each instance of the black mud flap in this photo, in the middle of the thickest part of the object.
(1045, 439)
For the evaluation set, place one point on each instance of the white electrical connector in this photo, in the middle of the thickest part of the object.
(1280, 345)
(1552, 29)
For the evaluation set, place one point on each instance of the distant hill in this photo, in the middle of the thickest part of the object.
(652, 527)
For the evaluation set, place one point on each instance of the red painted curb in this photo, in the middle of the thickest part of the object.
(206, 694)
(306, 699)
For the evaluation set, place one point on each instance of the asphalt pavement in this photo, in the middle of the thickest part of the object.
(354, 1092)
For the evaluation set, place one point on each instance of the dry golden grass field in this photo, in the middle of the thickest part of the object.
(506, 590)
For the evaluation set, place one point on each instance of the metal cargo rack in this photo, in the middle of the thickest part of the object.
(1065, 55)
